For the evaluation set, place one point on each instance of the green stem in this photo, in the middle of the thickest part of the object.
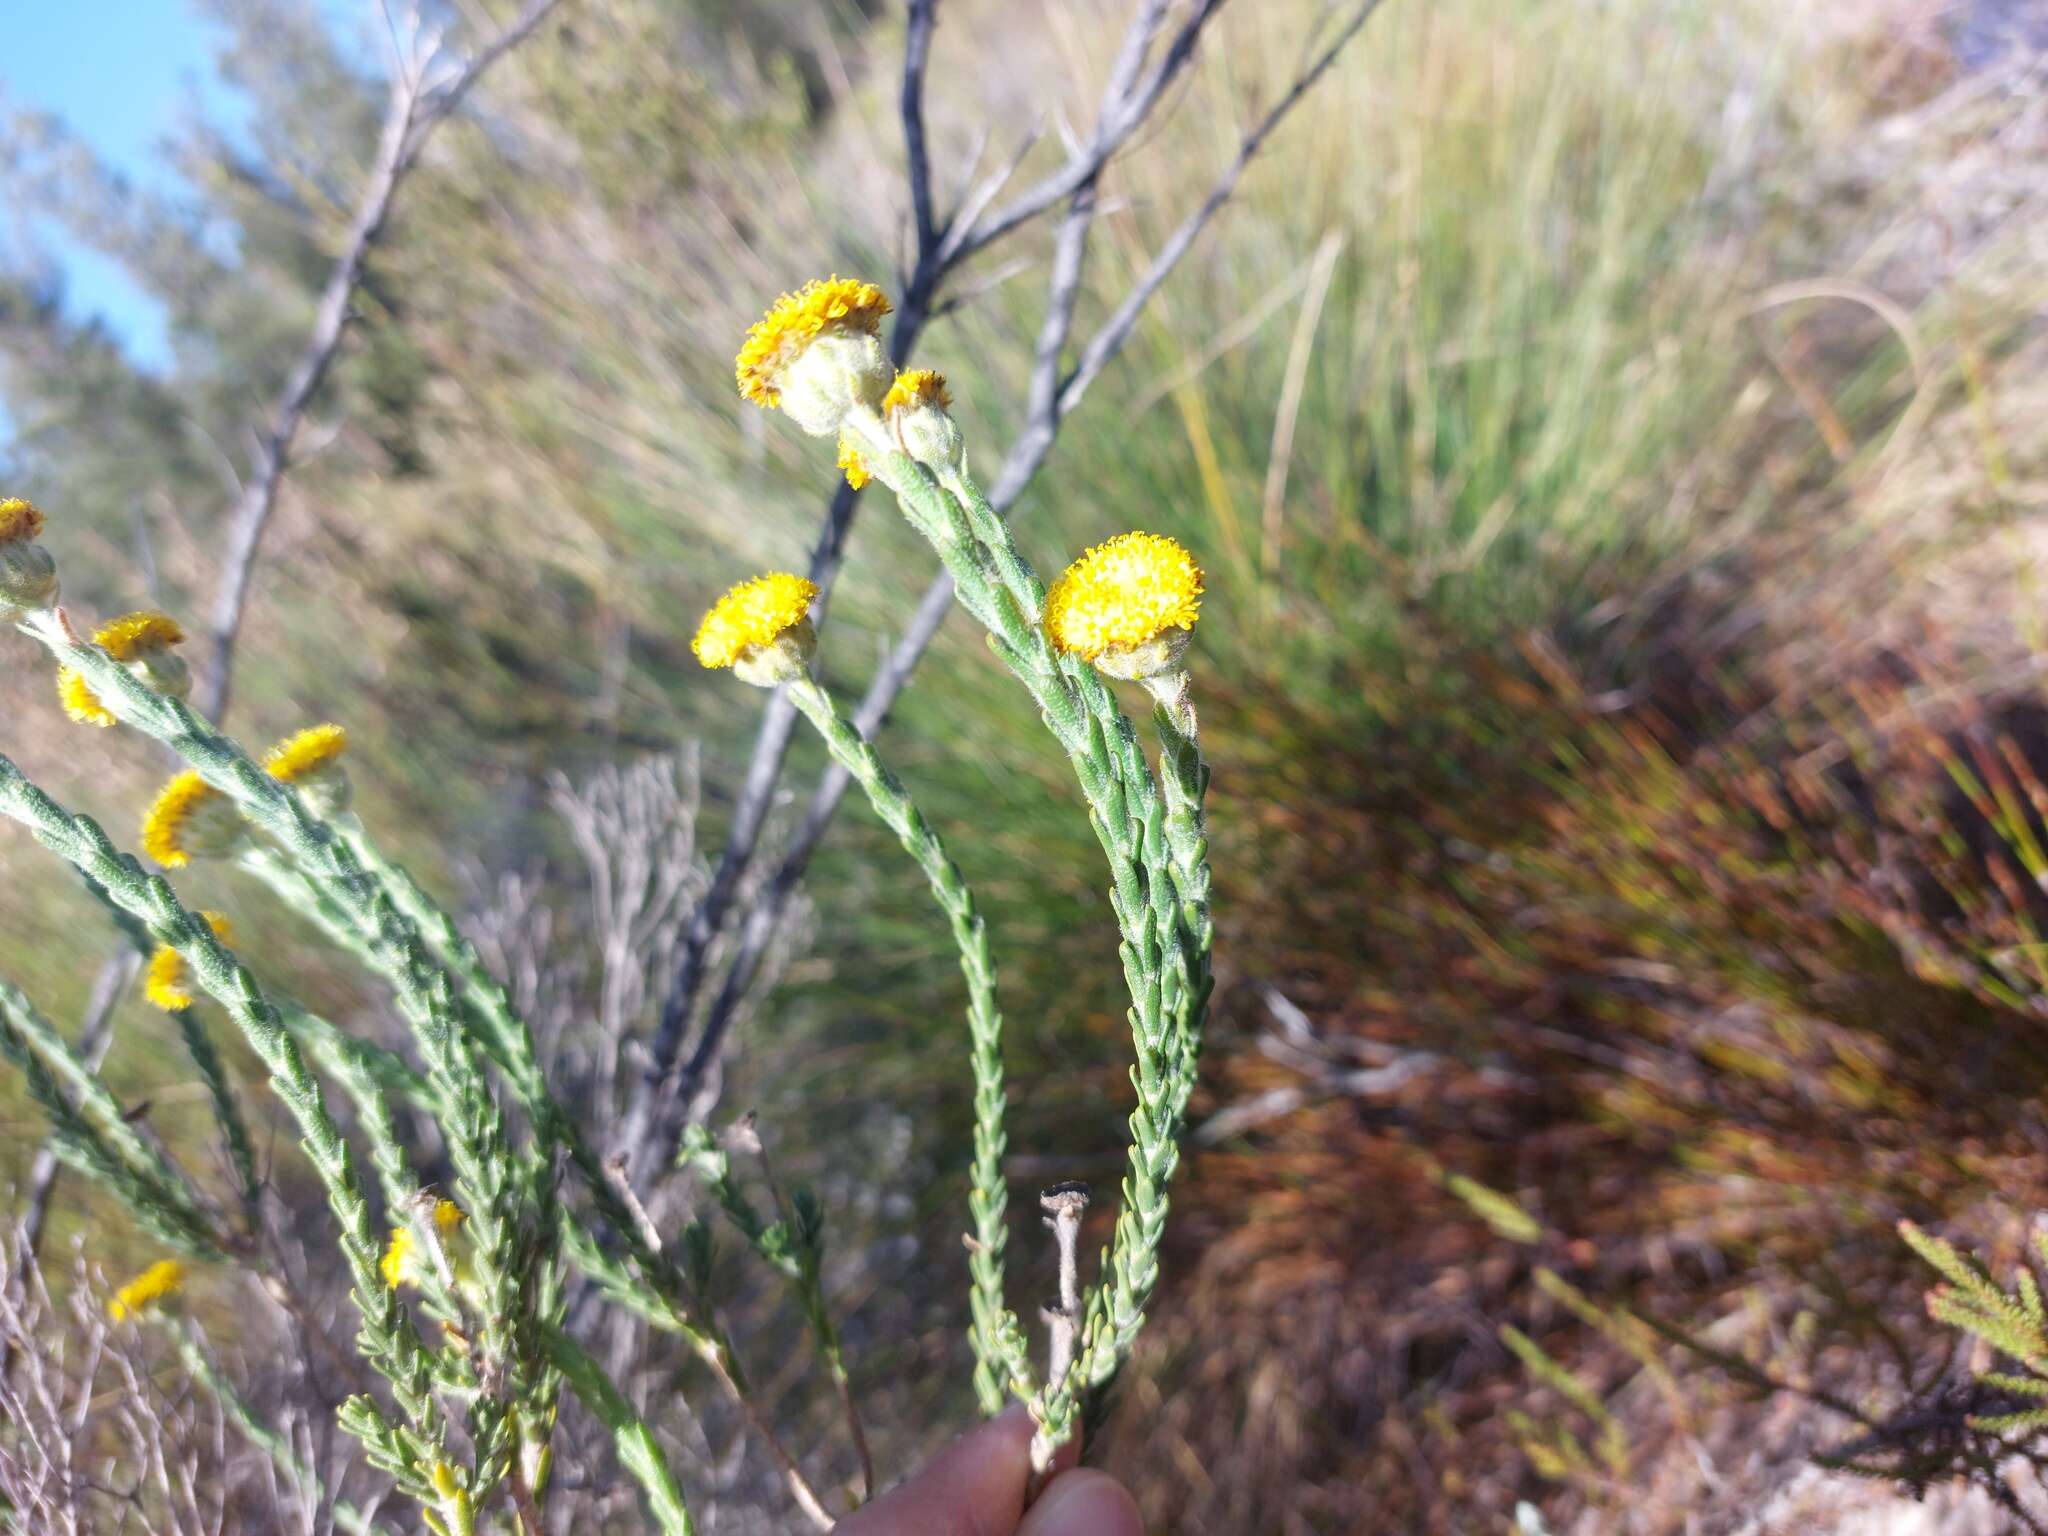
(93, 1137)
(1001, 1364)
(639, 1452)
(1165, 956)
(386, 1336)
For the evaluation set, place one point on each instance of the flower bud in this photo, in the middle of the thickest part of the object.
(190, 819)
(761, 629)
(140, 642)
(916, 408)
(817, 354)
(1128, 606)
(310, 762)
(28, 574)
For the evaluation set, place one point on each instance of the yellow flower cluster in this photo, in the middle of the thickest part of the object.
(161, 1279)
(306, 753)
(915, 387)
(134, 637)
(19, 520)
(182, 806)
(850, 461)
(167, 983)
(752, 614)
(28, 576)
(398, 1261)
(797, 319)
(1121, 594)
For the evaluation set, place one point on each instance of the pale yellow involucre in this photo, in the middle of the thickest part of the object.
(797, 319)
(123, 639)
(306, 752)
(19, 520)
(161, 1279)
(1123, 593)
(168, 981)
(752, 613)
(170, 817)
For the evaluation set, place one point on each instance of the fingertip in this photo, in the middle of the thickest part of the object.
(1083, 1503)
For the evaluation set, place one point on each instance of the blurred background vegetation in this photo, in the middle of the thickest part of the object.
(1615, 436)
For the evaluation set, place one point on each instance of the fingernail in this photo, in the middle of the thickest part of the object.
(1083, 1503)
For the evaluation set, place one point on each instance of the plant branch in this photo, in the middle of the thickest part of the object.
(412, 111)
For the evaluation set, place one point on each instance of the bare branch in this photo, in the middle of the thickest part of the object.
(1117, 329)
(917, 47)
(410, 116)
(1127, 100)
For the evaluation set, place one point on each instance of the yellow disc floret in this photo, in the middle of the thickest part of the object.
(168, 981)
(850, 461)
(797, 319)
(19, 520)
(161, 1279)
(754, 613)
(187, 817)
(917, 386)
(1123, 593)
(305, 753)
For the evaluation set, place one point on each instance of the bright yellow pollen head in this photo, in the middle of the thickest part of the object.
(167, 982)
(1123, 593)
(396, 1265)
(165, 829)
(797, 319)
(397, 1253)
(130, 635)
(306, 752)
(161, 1279)
(78, 699)
(917, 386)
(850, 461)
(19, 520)
(752, 614)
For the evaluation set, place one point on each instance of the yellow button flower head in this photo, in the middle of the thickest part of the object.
(190, 819)
(310, 760)
(817, 354)
(28, 576)
(761, 629)
(20, 522)
(168, 981)
(850, 461)
(401, 1255)
(161, 1279)
(915, 387)
(1127, 605)
(142, 643)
